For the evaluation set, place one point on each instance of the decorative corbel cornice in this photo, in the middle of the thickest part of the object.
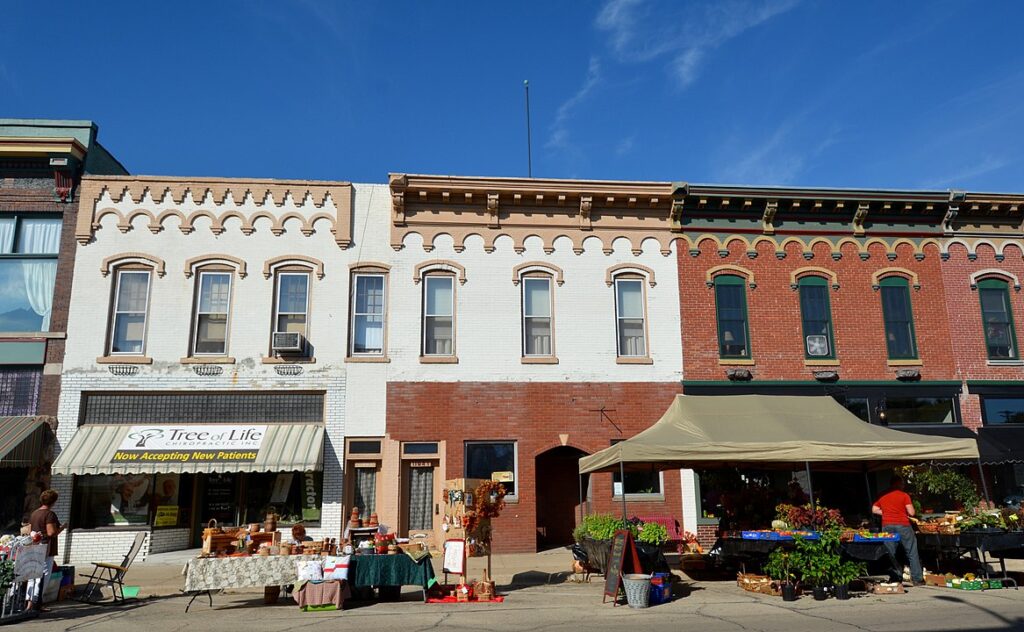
(492, 211)
(859, 217)
(586, 206)
(771, 207)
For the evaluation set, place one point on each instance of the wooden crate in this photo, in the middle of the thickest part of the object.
(757, 583)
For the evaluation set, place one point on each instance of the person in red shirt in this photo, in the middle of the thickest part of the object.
(896, 509)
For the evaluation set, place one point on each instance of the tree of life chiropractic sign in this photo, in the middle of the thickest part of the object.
(190, 443)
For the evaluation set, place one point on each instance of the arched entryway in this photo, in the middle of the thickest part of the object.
(558, 495)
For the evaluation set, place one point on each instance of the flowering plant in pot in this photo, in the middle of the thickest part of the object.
(780, 568)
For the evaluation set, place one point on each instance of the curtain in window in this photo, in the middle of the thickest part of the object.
(421, 498)
(369, 315)
(40, 236)
(365, 491)
(7, 235)
(438, 316)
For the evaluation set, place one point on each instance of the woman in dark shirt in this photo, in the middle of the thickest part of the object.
(44, 522)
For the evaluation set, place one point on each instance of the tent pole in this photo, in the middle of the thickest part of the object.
(810, 483)
(984, 485)
(867, 485)
(580, 477)
(622, 481)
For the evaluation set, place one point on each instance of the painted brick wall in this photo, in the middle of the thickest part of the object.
(963, 307)
(774, 313)
(534, 415)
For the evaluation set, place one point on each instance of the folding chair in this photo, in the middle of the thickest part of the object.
(105, 574)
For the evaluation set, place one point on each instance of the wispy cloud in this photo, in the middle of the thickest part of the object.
(780, 158)
(963, 177)
(638, 33)
(559, 138)
(625, 145)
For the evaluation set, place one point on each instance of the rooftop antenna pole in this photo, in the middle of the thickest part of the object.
(529, 149)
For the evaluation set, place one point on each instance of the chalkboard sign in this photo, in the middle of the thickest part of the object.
(622, 541)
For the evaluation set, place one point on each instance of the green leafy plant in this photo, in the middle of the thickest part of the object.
(601, 527)
(780, 566)
(819, 560)
(939, 484)
(847, 571)
(652, 533)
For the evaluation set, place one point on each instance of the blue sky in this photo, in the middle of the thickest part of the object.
(800, 92)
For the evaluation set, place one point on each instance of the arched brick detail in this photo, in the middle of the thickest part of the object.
(301, 260)
(133, 257)
(623, 268)
(196, 262)
(434, 265)
(531, 266)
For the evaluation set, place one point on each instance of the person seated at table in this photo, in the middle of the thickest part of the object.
(299, 533)
(896, 509)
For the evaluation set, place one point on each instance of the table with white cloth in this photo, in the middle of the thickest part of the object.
(206, 574)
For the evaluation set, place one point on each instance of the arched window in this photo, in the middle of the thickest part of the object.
(731, 311)
(899, 318)
(997, 319)
(816, 317)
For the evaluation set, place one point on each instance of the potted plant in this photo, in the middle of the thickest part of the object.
(843, 574)
(819, 561)
(779, 567)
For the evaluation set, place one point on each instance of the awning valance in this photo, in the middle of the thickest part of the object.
(192, 448)
(21, 440)
(701, 431)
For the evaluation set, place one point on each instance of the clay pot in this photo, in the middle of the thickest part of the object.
(373, 520)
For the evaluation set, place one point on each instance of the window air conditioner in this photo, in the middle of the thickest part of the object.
(817, 345)
(287, 341)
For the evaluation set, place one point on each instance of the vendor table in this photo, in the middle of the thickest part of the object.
(390, 570)
(206, 574)
(750, 549)
(979, 545)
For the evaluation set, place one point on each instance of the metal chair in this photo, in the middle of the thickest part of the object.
(112, 575)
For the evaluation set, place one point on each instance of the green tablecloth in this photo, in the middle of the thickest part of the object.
(389, 570)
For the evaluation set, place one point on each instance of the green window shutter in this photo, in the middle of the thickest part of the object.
(900, 339)
(997, 319)
(816, 317)
(731, 313)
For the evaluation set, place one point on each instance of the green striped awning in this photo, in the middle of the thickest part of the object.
(108, 449)
(22, 440)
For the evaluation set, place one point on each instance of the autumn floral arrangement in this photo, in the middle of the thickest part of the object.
(811, 517)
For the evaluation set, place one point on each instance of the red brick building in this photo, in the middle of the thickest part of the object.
(824, 292)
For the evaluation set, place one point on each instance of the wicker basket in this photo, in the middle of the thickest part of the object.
(757, 583)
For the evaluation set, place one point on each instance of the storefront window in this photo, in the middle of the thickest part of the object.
(112, 500)
(485, 459)
(919, 410)
(19, 390)
(857, 405)
(365, 497)
(1002, 410)
(636, 482)
(293, 496)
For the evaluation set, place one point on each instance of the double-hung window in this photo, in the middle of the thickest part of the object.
(537, 317)
(292, 304)
(731, 309)
(630, 317)
(130, 309)
(439, 315)
(816, 314)
(213, 306)
(997, 319)
(367, 302)
(899, 320)
(28, 271)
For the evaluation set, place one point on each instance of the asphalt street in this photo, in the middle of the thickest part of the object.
(553, 604)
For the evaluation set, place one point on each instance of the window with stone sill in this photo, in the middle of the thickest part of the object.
(731, 313)
(538, 317)
(631, 317)
(291, 305)
(29, 245)
(900, 340)
(129, 311)
(997, 319)
(212, 313)
(368, 314)
(439, 315)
